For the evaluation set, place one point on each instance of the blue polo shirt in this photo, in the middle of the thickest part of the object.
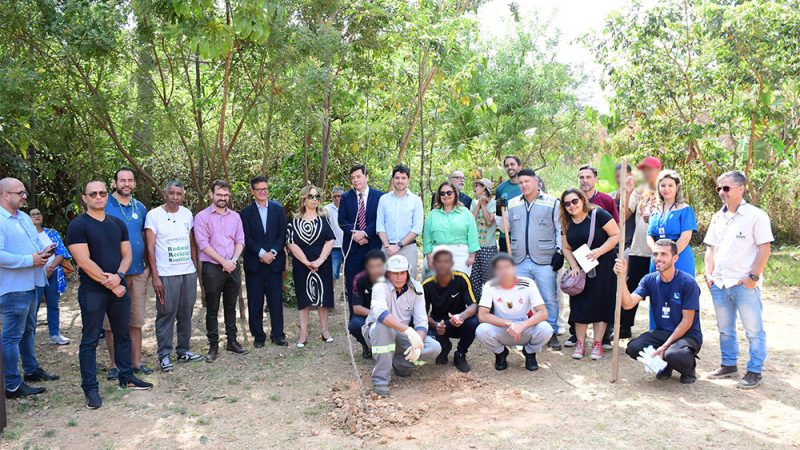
(669, 300)
(19, 240)
(132, 215)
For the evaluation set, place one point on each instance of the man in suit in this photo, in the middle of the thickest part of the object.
(358, 213)
(264, 223)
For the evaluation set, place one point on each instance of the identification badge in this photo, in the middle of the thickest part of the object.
(135, 216)
(662, 232)
(665, 312)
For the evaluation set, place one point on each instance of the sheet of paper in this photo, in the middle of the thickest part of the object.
(580, 256)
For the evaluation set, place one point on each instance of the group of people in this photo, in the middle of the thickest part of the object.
(503, 292)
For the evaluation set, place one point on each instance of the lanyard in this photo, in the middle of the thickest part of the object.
(132, 205)
(662, 221)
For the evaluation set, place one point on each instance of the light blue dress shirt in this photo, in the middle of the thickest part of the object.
(19, 240)
(398, 216)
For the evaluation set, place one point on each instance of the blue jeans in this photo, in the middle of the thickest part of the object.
(19, 331)
(545, 279)
(52, 298)
(94, 306)
(354, 327)
(727, 301)
(338, 258)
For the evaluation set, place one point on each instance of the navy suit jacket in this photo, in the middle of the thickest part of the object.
(348, 214)
(256, 239)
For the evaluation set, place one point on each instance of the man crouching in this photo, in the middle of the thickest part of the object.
(397, 326)
(503, 311)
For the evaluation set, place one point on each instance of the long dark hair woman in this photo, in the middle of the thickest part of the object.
(581, 220)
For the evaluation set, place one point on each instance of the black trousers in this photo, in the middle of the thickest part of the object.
(95, 305)
(465, 334)
(354, 327)
(221, 284)
(638, 267)
(259, 285)
(679, 356)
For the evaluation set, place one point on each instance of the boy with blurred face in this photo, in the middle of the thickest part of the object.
(400, 218)
(100, 245)
(22, 258)
(503, 311)
(172, 259)
(132, 213)
(397, 302)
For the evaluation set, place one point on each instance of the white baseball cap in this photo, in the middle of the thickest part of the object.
(397, 263)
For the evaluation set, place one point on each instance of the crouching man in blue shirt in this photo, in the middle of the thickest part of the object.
(675, 302)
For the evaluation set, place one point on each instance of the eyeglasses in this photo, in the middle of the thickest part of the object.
(723, 189)
(260, 190)
(94, 194)
(313, 196)
(20, 193)
(35, 214)
(446, 193)
(573, 202)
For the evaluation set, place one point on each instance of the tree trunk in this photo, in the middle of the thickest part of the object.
(326, 139)
(144, 90)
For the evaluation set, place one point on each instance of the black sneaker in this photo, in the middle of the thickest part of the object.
(751, 380)
(554, 344)
(24, 391)
(571, 341)
(446, 347)
(366, 353)
(688, 378)
(500, 362)
(40, 375)
(93, 400)
(530, 361)
(460, 361)
(402, 373)
(665, 373)
(189, 357)
(113, 374)
(724, 372)
(136, 384)
(143, 369)
(625, 333)
(165, 364)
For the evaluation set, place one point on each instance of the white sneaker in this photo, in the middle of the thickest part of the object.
(59, 340)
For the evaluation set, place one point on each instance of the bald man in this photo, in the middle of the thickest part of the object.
(22, 260)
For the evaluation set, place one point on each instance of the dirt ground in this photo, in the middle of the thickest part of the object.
(309, 398)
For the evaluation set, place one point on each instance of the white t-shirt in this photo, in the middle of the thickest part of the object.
(514, 303)
(173, 247)
(45, 240)
(642, 200)
(735, 238)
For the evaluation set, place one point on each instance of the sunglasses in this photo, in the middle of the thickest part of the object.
(446, 193)
(723, 189)
(35, 214)
(573, 202)
(94, 194)
(313, 196)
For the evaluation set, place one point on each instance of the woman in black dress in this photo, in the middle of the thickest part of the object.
(595, 305)
(310, 240)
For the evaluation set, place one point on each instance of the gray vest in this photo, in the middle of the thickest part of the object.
(535, 232)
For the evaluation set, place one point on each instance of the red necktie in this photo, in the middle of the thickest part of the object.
(362, 213)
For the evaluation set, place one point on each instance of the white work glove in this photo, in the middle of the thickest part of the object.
(652, 364)
(412, 353)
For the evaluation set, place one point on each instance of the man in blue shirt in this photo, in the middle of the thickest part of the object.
(132, 212)
(509, 189)
(400, 219)
(675, 305)
(22, 260)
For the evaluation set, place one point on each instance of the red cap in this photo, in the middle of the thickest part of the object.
(650, 161)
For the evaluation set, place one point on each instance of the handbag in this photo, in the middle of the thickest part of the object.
(572, 284)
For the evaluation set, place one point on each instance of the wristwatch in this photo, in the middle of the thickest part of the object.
(121, 275)
(400, 244)
(754, 277)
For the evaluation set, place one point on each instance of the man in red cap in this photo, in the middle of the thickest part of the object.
(643, 201)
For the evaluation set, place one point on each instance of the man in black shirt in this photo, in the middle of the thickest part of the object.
(101, 247)
(451, 307)
(374, 270)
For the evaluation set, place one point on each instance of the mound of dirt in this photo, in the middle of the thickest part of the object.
(366, 418)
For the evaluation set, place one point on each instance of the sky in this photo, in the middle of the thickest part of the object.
(574, 18)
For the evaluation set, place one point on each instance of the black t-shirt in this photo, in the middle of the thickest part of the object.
(103, 239)
(362, 291)
(453, 298)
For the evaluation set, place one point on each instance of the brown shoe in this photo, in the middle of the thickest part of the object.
(213, 351)
(234, 347)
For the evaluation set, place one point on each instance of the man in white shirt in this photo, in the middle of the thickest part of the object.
(171, 256)
(503, 312)
(738, 242)
(333, 219)
(400, 219)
